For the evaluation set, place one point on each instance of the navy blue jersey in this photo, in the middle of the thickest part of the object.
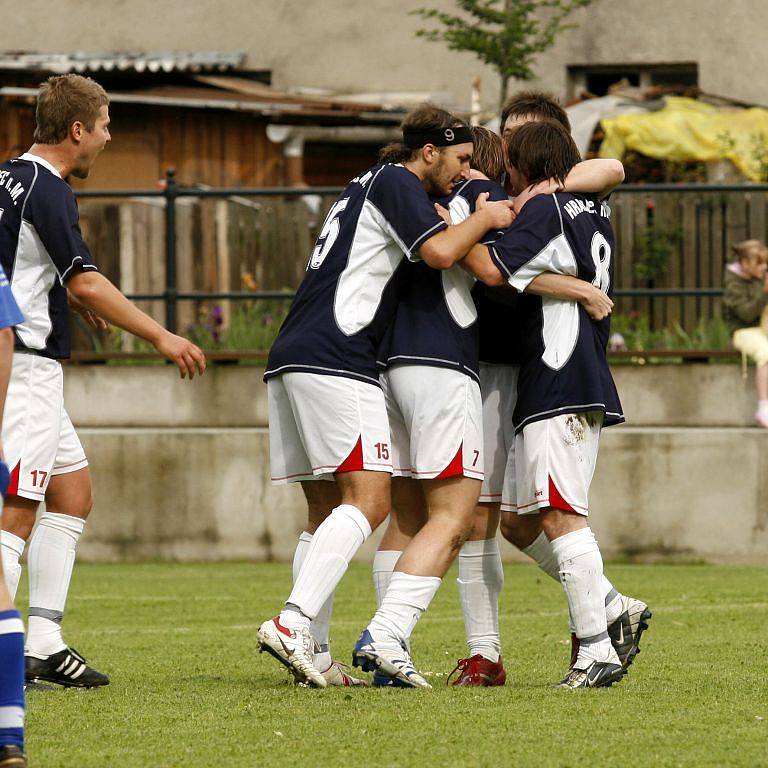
(351, 288)
(564, 367)
(436, 320)
(41, 247)
(499, 325)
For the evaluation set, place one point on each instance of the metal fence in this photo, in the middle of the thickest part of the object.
(679, 234)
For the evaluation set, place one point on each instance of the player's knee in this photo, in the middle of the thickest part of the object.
(520, 530)
(19, 516)
(558, 522)
(485, 522)
(87, 505)
(378, 510)
(78, 505)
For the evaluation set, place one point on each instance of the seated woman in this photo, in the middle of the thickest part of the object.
(744, 304)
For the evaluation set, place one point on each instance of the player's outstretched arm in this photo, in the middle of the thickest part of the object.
(445, 248)
(596, 303)
(97, 294)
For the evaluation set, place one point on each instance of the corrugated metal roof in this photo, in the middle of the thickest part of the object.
(132, 61)
(315, 112)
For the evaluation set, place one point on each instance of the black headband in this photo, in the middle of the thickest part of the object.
(416, 138)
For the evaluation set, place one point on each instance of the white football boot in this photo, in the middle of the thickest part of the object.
(388, 660)
(336, 674)
(626, 631)
(293, 647)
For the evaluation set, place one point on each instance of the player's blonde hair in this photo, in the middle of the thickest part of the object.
(750, 250)
(487, 153)
(64, 100)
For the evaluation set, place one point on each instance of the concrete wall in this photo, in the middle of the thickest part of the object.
(181, 469)
(366, 47)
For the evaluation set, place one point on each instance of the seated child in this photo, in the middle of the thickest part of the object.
(744, 304)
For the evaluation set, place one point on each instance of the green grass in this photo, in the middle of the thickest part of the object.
(188, 690)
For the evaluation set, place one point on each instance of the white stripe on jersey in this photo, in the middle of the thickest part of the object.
(560, 328)
(373, 258)
(32, 279)
(457, 283)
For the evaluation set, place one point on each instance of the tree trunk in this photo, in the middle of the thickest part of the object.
(503, 95)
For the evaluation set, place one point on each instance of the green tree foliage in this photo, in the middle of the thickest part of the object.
(505, 34)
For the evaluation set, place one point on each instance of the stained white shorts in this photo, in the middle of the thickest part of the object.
(554, 464)
(39, 440)
(435, 415)
(320, 425)
(498, 386)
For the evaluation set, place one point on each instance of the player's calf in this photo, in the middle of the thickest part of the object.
(581, 568)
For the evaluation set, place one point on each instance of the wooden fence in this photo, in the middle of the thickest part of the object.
(672, 240)
(665, 240)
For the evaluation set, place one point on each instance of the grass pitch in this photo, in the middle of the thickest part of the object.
(188, 689)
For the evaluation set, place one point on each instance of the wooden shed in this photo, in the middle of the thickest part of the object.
(216, 129)
(199, 117)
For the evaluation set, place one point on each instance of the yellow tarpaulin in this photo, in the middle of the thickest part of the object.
(686, 129)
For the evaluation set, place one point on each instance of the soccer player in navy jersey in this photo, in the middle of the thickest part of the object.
(11, 627)
(327, 413)
(430, 378)
(480, 571)
(626, 616)
(47, 261)
(565, 390)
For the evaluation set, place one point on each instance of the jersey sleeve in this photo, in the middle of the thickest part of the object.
(54, 215)
(10, 314)
(407, 213)
(534, 244)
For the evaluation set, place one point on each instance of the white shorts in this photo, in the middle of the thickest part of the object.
(39, 440)
(320, 425)
(498, 386)
(435, 415)
(555, 463)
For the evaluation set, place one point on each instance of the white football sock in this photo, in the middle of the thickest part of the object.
(300, 554)
(384, 562)
(612, 599)
(51, 560)
(12, 549)
(334, 544)
(321, 624)
(481, 578)
(581, 573)
(406, 599)
(541, 552)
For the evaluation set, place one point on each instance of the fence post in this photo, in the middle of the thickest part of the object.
(170, 249)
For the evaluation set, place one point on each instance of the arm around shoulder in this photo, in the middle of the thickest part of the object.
(598, 176)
